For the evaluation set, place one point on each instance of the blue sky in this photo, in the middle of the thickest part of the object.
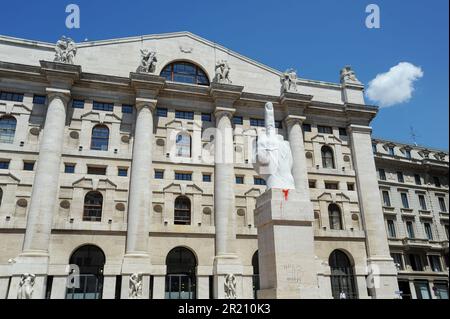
(315, 37)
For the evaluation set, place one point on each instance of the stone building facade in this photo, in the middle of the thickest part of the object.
(117, 179)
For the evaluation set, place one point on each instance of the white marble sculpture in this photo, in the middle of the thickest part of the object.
(66, 50)
(135, 291)
(289, 81)
(348, 75)
(148, 61)
(230, 286)
(273, 159)
(223, 72)
(26, 286)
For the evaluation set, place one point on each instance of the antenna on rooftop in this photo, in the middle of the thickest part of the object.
(413, 135)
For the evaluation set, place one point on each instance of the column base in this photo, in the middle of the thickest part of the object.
(32, 262)
(225, 265)
(382, 279)
(136, 263)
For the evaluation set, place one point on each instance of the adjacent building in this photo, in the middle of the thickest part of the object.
(134, 164)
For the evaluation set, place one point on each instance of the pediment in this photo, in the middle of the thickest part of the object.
(326, 139)
(8, 178)
(183, 125)
(94, 183)
(253, 192)
(334, 197)
(182, 188)
(101, 117)
(14, 108)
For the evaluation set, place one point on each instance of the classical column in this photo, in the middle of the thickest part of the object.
(226, 261)
(140, 194)
(299, 169)
(46, 179)
(137, 259)
(224, 184)
(380, 263)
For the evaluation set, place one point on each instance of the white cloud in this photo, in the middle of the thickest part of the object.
(395, 86)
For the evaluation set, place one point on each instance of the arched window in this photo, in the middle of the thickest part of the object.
(327, 157)
(183, 145)
(7, 129)
(90, 260)
(342, 276)
(100, 138)
(182, 214)
(181, 278)
(256, 283)
(185, 72)
(93, 205)
(334, 213)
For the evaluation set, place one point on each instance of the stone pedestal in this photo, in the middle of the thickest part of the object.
(225, 265)
(32, 264)
(286, 246)
(136, 263)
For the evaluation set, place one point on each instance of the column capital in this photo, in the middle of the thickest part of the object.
(60, 75)
(64, 94)
(291, 120)
(219, 112)
(146, 103)
(225, 95)
(353, 128)
(147, 85)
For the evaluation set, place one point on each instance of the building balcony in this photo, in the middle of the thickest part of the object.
(413, 243)
(425, 214)
(407, 212)
(443, 216)
(387, 210)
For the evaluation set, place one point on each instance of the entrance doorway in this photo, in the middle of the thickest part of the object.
(181, 280)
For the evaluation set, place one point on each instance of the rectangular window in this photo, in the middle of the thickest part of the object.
(350, 186)
(405, 201)
(184, 115)
(161, 112)
(324, 129)
(279, 125)
(93, 170)
(428, 231)
(391, 229)
(400, 177)
(312, 184)
(422, 289)
(417, 179)
(183, 176)
(100, 106)
(238, 120)
(159, 174)
(4, 164)
(437, 181)
(331, 186)
(374, 148)
(442, 205)
(10, 96)
(410, 229)
(422, 202)
(123, 172)
(206, 117)
(441, 290)
(78, 104)
(207, 178)
(127, 109)
(307, 127)
(382, 174)
(28, 166)
(69, 168)
(259, 181)
(435, 263)
(257, 122)
(39, 99)
(386, 199)
(398, 260)
(342, 131)
(408, 154)
(391, 151)
(239, 179)
(416, 262)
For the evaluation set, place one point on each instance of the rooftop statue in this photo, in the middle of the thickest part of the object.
(223, 72)
(66, 50)
(273, 155)
(348, 75)
(148, 61)
(289, 81)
